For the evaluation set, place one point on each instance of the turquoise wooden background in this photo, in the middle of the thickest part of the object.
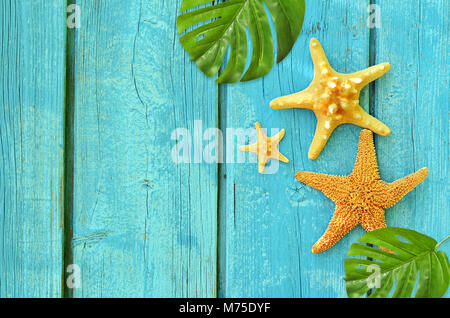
(86, 117)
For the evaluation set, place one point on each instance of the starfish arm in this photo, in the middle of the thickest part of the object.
(398, 189)
(364, 120)
(341, 223)
(261, 135)
(318, 56)
(366, 166)
(261, 164)
(276, 154)
(364, 77)
(303, 99)
(321, 136)
(373, 219)
(275, 140)
(249, 148)
(334, 187)
(279, 156)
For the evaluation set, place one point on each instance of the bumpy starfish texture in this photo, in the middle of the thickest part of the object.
(334, 99)
(266, 147)
(360, 197)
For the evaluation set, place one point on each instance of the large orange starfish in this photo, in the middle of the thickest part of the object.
(334, 99)
(360, 197)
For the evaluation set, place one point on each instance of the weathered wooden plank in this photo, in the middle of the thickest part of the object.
(414, 98)
(272, 221)
(32, 70)
(143, 226)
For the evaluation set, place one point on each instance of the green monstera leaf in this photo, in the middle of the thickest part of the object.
(409, 254)
(221, 25)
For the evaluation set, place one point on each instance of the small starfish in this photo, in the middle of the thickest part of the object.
(334, 98)
(360, 197)
(266, 148)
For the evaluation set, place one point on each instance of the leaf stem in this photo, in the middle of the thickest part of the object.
(441, 242)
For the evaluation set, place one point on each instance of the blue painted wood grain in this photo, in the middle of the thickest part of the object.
(143, 226)
(415, 99)
(32, 70)
(272, 221)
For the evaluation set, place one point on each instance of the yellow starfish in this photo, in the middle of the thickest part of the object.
(360, 197)
(334, 98)
(266, 148)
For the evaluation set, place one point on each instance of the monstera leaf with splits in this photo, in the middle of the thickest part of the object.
(404, 262)
(217, 26)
